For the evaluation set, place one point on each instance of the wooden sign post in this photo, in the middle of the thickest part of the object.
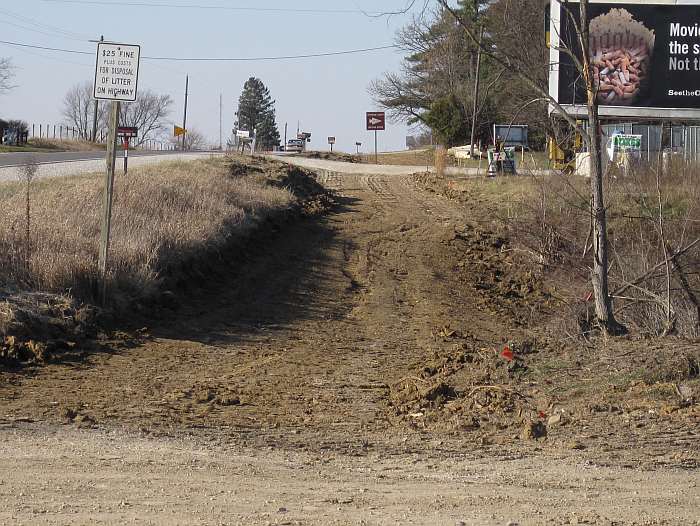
(116, 80)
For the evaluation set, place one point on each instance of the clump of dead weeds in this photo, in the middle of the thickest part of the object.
(37, 327)
(467, 388)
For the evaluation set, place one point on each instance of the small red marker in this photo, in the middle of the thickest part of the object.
(507, 354)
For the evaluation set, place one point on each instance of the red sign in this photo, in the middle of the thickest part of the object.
(127, 131)
(376, 121)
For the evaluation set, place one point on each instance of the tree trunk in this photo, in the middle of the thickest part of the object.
(599, 275)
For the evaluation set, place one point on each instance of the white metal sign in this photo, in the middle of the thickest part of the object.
(117, 71)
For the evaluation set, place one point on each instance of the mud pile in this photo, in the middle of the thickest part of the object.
(468, 388)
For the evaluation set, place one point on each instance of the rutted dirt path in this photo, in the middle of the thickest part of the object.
(266, 399)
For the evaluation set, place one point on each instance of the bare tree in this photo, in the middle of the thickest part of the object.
(149, 114)
(79, 108)
(510, 58)
(194, 140)
(436, 79)
(6, 74)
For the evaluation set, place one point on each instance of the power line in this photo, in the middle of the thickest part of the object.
(40, 31)
(287, 10)
(46, 27)
(213, 59)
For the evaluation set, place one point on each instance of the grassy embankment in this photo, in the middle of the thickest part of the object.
(53, 145)
(548, 220)
(427, 157)
(170, 222)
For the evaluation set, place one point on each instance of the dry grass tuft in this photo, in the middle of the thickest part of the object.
(165, 217)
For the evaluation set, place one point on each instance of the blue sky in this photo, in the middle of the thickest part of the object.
(328, 95)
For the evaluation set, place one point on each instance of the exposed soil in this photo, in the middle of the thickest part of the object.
(389, 362)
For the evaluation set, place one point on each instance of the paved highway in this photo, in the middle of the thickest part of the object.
(19, 158)
(63, 164)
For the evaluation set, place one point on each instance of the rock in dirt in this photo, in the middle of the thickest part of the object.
(556, 420)
(533, 431)
(227, 401)
(575, 444)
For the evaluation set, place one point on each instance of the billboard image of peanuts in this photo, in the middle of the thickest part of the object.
(645, 58)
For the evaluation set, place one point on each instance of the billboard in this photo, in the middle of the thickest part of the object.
(511, 135)
(645, 57)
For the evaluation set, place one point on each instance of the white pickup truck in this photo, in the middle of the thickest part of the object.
(294, 145)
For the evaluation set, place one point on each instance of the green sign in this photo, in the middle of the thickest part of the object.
(627, 143)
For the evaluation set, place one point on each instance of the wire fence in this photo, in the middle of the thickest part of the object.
(61, 132)
(683, 140)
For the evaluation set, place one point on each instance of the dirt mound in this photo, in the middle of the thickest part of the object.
(331, 156)
(468, 388)
(504, 283)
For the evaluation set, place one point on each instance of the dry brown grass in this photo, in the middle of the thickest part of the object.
(423, 157)
(548, 220)
(65, 145)
(165, 217)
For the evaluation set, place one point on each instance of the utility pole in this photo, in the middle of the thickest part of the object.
(221, 122)
(285, 136)
(97, 106)
(475, 106)
(184, 119)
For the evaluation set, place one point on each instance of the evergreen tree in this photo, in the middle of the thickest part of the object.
(256, 112)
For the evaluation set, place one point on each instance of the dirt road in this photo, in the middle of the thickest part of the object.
(267, 400)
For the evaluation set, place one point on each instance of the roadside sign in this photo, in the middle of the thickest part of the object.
(243, 134)
(331, 140)
(501, 161)
(117, 72)
(179, 131)
(376, 121)
(622, 142)
(116, 80)
(127, 132)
